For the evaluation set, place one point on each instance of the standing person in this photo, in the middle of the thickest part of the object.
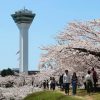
(84, 82)
(74, 81)
(89, 82)
(53, 83)
(95, 79)
(66, 81)
(50, 83)
(47, 83)
(44, 84)
(61, 82)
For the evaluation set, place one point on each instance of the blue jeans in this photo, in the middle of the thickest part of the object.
(66, 87)
(74, 87)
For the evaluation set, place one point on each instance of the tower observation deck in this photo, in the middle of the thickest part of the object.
(23, 19)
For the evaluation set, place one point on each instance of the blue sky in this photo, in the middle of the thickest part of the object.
(51, 18)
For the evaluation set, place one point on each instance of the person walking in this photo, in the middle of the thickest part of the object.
(84, 82)
(50, 83)
(89, 82)
(61, 82)
(74, 81)
(44, 84)
(47, 84)
(53, 83)
(95, 79)
(66, 81)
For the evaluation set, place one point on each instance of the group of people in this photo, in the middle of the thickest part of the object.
(66, 80)
(51, 84)
(90, 81)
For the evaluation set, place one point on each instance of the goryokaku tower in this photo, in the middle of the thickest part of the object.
(23, 19)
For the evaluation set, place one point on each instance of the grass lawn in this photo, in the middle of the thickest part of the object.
(57, 95)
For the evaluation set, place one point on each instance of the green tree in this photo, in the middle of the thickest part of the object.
(6, 72)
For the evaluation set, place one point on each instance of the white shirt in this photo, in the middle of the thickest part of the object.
(88, 77)
(66, 78)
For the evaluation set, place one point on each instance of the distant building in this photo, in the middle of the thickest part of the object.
(31, 72)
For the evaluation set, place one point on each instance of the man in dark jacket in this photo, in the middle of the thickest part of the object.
(95, 79)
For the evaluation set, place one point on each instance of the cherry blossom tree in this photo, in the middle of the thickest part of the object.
(78, 48)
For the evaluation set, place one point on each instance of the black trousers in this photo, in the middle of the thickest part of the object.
(89, 86)
(95, 86)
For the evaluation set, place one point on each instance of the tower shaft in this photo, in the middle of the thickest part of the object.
(23, 63)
